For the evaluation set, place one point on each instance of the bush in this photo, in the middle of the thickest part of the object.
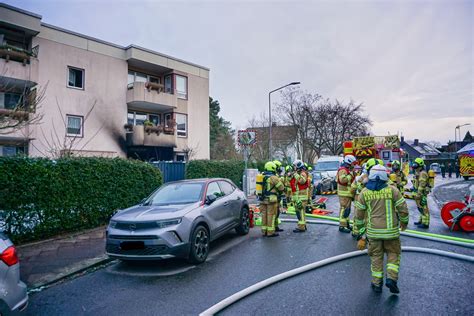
(41, 197)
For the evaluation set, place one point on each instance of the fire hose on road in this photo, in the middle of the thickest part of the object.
(315, 265)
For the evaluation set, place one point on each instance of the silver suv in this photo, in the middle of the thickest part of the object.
(180, 219)
(13, 295)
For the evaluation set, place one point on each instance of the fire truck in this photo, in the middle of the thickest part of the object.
(363, 148)
(466, 161)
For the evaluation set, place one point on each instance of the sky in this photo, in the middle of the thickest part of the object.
(409, 62)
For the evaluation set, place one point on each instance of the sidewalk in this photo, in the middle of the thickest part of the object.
(47, 261)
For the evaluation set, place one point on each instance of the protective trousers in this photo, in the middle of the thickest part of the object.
(377, 249)
(355, 229)
(300, 208)
(345, 210)
(422, 205)
(268, 212)
(277, 215)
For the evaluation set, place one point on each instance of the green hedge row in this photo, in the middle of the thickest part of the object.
(230, 169)
(41, 197)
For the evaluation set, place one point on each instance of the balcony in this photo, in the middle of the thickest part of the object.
(146, 96)
(157, 136)
(18, 68)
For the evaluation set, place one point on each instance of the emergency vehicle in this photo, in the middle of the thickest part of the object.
(363, 148)
(466, 161)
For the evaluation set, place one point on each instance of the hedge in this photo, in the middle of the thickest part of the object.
(230, 169)
(40, 198)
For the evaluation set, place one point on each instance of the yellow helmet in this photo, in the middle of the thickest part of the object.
(393, 177)
(418, 163)
(270, 166)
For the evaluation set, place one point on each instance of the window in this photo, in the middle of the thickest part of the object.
(74, 126)
(76, 78)
(169, 84)
(168, 119)
(134, 76)
(9, 100)
(131, 118)
(11, 150)
(180, 157)
(226, 187)
(155, 119)
(140, 118)
(130, 78)
(181, 124)
(154, 79)
(182, 87)
(213, 188)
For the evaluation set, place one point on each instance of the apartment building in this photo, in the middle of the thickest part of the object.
(99, 99)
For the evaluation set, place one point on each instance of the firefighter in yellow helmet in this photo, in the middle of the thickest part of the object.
(422, 189)
(381, 211)
(279, 173)
(397, 176)
(299, 187)
(310, 206)
(272, 187)
(344, 178)
(288, 193)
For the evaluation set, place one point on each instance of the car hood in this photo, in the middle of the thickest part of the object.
(329, 174)
(141, 213)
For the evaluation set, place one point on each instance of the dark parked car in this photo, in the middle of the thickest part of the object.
(322, 183)
(13, 294)
(180, 219)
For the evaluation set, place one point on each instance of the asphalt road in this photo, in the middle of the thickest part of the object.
(429, 284)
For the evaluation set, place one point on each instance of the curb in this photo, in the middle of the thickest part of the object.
(65, 236)
(104, 259)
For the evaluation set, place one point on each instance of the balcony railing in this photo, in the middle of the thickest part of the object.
(150, 95)
(24, 56)
(160, 136)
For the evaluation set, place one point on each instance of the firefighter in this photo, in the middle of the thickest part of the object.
(287, 179)
(310, 206)
(272, 187)
(361, 179)
(422, 189)
(386, 212)
(299, 187)
(398, 177)
(344, 179)
(279, 172)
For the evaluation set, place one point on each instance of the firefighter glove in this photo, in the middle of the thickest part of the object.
(361, 244)
(403, 226)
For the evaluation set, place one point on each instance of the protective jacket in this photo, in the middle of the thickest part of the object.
(384, 207)
(344, 180)
(273, 187)
(300, 186)
(401, 181)
(420, 183)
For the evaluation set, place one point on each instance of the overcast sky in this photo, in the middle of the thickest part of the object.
(409, 62)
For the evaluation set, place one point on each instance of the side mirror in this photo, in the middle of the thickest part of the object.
(143, 201)
(210, 199)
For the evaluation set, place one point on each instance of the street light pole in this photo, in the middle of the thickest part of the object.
(270, 142)
(455, 135)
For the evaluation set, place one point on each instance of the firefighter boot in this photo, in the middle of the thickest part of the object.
(376, 288)
(343, 229)
(392, 285)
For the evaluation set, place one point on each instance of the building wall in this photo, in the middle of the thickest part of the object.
(105, 82)
(198, 116)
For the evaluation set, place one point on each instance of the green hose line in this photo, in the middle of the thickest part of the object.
(415, 232)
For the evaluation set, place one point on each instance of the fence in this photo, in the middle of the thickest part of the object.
(171, 171)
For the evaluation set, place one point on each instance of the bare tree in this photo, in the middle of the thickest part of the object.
(23, 108)
(64, 145)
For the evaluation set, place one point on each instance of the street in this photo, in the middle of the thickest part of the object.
(429, 284)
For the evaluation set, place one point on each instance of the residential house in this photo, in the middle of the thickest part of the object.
(416, 149)
(283, 143)
(100, 99)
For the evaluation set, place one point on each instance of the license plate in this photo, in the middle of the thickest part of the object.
(132, 245)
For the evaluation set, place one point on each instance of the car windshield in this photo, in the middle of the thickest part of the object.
(317, 176)
(326, 166)
(177, 193)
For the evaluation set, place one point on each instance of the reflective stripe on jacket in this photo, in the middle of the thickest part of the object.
(385, 209)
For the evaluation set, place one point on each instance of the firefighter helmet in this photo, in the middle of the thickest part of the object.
(270, 166)
(418, 163)
(298, 164)
(349, 159)
(278, 165)
(378, 172)
(396, 165)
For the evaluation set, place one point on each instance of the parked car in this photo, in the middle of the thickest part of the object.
(180, 219)
(328, 166)
(13, 294)
(435, 167)
(322, 183)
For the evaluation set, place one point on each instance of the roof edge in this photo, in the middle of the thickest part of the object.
(7, 6)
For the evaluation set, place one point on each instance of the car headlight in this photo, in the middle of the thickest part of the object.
(168, 222)
(112, 224)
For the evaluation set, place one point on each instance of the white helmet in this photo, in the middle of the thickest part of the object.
(378, 171)
(349, 159)
(298, 164)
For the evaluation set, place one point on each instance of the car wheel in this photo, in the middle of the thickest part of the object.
(244, 226)
(199, 245)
